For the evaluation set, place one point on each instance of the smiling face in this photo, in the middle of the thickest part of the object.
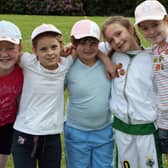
(48, 51)
(87, 49)
(9, 55)
(120, 38)
(154, 31)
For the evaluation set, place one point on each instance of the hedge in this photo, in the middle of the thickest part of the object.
(71, 7)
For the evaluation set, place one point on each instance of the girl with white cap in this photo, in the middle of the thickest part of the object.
(40, 118)
(88, 130)
(11, 81)
(132, 97)
(152, 20)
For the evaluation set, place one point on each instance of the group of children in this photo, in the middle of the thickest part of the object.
(134, 103)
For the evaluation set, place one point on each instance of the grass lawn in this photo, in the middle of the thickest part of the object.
(28, 22)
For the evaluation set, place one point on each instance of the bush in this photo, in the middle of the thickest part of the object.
(71, 7)
(113, 7)
(42, 7)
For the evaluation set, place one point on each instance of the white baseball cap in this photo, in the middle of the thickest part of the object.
(85, 28)
(9, 32)
(44, 28)
(149, 10)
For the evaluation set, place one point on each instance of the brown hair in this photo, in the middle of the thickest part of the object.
(122, 21)
(51, 34)
(166, 18)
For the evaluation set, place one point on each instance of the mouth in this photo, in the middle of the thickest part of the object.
(153, 36)
(120, 46)
(51, 58)
(4, 60)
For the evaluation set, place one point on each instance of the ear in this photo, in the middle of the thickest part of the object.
(20, 47)
(33, 50)
(73, 41)
(131, 29)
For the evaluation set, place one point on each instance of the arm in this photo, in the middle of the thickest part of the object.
(68, 50)
(111, 69)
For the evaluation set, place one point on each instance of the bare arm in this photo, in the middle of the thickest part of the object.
(111, 69)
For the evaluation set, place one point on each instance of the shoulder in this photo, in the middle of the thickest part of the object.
(27, 58)
(119, 55)
(145, 52)
(104, 47)
(66, 61)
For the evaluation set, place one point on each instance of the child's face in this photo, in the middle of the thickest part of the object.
(87, 49)
(48, 52)
(9, 55)
(120, 38)
(154, 31)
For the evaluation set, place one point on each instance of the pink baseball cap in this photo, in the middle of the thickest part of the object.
(44, 28)
(149, 10)
(85, 28)
(9, 32)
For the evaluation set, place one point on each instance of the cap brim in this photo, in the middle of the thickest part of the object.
(45, 31)
(149, 18)
(79, 36)
(14, 41)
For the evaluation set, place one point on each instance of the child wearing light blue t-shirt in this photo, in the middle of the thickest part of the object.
(88, 129)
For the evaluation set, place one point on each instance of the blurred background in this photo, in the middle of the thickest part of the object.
(71, 7)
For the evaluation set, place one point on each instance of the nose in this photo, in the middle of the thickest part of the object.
(88, 45)
(151, 31)
(49, 51)
(116, 40)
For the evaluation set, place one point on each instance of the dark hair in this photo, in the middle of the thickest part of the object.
(122, 21)
(51, 34)
(75, 41)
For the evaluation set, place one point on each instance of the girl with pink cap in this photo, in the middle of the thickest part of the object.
(88, 129)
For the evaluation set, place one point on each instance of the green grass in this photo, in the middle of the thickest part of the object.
(28, 22)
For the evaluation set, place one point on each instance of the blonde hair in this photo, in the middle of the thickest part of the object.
(122, 21)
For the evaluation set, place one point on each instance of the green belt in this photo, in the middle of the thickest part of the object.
(136, 129)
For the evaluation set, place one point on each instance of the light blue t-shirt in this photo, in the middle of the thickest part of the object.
(89, 94)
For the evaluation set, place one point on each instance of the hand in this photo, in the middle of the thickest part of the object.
(119, 69)
(67, 50)
(111, 71)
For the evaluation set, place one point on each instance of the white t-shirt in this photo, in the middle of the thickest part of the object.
(41, 109)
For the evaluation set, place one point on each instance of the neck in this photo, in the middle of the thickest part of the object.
(89, 62)
(4, 72)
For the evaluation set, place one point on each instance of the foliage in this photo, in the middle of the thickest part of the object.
(43, 7)
(113, 7)
(71, 7)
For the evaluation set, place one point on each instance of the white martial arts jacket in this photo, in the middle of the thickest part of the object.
(133, 96)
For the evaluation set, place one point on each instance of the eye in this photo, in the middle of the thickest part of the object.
(82, 41)
(10, 48)
(144, 28)
(94, 43)
(53, 47)
(154, 25)
(43, 49)
(118, 34)
(110, 40)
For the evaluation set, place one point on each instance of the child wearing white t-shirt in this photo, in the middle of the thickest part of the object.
(41, 114)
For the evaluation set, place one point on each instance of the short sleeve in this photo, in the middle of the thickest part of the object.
(26, 59)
